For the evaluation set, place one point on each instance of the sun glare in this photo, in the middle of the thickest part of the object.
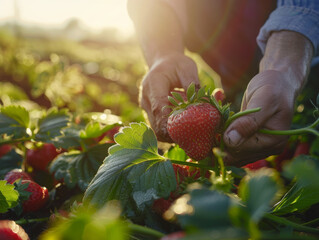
(94, 14)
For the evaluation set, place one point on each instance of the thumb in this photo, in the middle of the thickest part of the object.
(241, 129)
(246, 126)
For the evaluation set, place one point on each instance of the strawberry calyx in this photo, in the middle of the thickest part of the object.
(193, 97)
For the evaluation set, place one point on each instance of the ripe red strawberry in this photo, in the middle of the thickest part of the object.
(174, 236)
(181, 172)
(4, 149)
(256, 165)
(39, 196)
(283, 157)
(161, 205)
(219, 94)
(302, 148)
(194, 124)
(194, 129)
(9, 230)
(15, 174)
(40, 157)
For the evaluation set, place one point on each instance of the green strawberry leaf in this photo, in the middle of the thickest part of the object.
(8, 196)
(78, 168)
(190, 92)
(10, 161)
(305, 192)
(94, 129)
(14, 121)
(51, 125)
(70, 137)
(88, 224)
(133, 168)
(257, 192)
(201, 92)
(218, 234)
(177, 96)
(203, 209)
(176, 153)
(21, 188)
(172, 101)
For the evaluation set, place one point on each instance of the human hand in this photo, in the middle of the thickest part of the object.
(273, 92)
(172, 71)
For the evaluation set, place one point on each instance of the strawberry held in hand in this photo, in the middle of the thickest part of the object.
(194, 124)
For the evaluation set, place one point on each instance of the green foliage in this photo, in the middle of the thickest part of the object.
(203, 209)
(176, 153)
(258, 200)
(14, 121)
(51, 125)
(85, 224)
(16, 124)
(79, 168)
(10, 161)
(305, 192)
(94, 129)
(133, 168)
(8, 196)
(78, 76)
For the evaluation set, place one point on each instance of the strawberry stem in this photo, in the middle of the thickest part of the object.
(219, 154)
(309, 129)
(294, 225)
(239, 114)
(197, 165)
(26, 221)
(145, 230)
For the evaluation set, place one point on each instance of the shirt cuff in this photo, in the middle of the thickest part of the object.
(298, 19)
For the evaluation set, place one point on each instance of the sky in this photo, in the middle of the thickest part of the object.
(96, 14)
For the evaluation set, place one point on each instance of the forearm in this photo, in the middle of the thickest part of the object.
(290, 53)
(157, 28)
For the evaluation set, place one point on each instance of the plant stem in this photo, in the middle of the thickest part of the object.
(290, 132)
(312, 222)
(192, 164)
(26, 221)
(295, 226)
(145, 230)
(12, 141)
(239, 114)
(219, 155)
(309, 129)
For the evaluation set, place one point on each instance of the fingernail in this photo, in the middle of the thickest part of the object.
(234, 138)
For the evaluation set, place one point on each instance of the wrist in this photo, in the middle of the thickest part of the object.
(289, 53)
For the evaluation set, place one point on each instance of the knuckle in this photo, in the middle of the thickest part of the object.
(247, 125)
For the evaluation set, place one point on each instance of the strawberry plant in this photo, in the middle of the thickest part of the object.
(118, 181)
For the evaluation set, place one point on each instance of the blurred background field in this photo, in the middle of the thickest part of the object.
(61, 60)
(76, 54)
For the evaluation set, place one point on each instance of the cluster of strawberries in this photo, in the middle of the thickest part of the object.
(32, 196)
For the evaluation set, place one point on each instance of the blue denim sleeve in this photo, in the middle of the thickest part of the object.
(301, 16)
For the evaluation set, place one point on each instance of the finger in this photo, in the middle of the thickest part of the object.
(244, 127)
(187, 73)
(153, 101)
(248, 154)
